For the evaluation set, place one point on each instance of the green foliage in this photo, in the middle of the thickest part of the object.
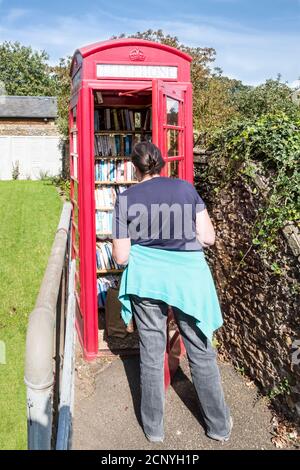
(283, 388)
(62, 80)
(214, 103)
(29, 212)
(15, 170)
(27, 72)
(24, 71)
(241, 370)
(271, 97)
(271, 144)
(63, 186)
(215, 343)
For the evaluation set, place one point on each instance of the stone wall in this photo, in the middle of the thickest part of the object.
(260, 305)
(28, 127)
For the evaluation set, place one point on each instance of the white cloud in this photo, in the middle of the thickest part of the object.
(244, 53)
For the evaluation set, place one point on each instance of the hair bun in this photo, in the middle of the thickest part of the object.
(151, 162)
(147, 158)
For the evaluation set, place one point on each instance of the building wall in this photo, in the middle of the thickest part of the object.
(35, 156)
(26, 127)
(32, 145)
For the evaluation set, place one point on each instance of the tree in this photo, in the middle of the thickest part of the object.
(273, 96)
(62, 83)
(215, 103)
(200, 69)
(24, 71)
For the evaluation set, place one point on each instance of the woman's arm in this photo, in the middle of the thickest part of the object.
(205, 231)
(121, 250)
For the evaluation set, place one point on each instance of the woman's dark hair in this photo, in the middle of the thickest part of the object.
(147, 158)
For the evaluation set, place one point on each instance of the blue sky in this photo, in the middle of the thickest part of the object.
(254, 40)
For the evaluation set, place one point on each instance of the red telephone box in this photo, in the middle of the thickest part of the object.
(123, 91)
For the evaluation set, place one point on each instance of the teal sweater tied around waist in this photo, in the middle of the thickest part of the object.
(182, 279)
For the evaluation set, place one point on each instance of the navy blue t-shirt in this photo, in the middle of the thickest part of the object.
(159, 213)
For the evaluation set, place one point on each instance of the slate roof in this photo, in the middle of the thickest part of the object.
(28, 107)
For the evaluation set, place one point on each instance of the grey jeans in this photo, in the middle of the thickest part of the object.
(151, 317)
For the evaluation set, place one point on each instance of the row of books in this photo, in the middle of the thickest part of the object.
(106, 196)
(118, 145)
(104, 259)
(114, 170)
(103, 222)
(113, 145)
(122, 119)
(103, 284)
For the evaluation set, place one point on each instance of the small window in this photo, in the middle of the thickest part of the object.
(172, 143)
(173, 169)
(172, 112)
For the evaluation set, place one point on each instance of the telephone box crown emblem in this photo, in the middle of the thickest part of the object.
(137, 55)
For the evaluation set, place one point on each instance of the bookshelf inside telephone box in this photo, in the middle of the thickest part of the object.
(123, 92)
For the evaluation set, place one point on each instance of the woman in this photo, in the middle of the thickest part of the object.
(160, 227)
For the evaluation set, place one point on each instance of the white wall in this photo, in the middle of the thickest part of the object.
(35, 154)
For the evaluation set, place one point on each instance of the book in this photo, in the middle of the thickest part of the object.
(99, 98)
(107, 119)
(96, 120)
(127, 120)
(103, 222)
(123, 121)
(137, 120)
(146, 121)
(131, 120)
(103, 284)
(104, 258)
(116, 120)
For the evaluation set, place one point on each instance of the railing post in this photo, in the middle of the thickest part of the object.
(67, 385)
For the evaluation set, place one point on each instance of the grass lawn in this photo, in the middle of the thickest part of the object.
(29, 214)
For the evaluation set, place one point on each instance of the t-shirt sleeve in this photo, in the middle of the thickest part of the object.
(119, 222)
(199, 203)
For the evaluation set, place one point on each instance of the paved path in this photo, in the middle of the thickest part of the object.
(107, 410)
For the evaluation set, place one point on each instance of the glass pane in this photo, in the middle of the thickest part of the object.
(78, 287)
(77, 239)
(172, 142)
(77, 283)
(75, 167)
(75, 215)
(173, 169)
(75, 195)
(172, 111)
(74, 142)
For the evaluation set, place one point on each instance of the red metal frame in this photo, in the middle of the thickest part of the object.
(84, 83)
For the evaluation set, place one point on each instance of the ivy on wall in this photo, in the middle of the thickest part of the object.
(270, 146)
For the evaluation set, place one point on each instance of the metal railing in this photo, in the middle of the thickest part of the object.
(50, 330)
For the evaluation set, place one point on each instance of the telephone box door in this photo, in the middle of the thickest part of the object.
(172, 127)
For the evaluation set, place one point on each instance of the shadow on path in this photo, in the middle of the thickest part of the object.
(181, 384)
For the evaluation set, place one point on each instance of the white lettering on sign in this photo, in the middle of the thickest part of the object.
(136, 71)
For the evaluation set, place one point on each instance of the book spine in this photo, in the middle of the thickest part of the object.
(116, 121)
(131, 120)
(127, 119)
